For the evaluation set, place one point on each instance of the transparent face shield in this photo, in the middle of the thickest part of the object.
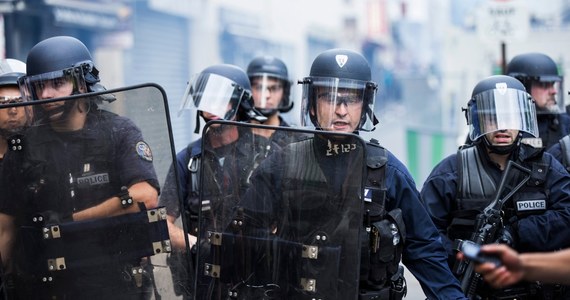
(213, 94)
(19, 123)
(327, 100)
(4, 100)
(268, 92)
(54, 84)
(502, 109)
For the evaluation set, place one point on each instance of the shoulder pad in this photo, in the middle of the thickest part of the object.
(530, 153)
(376, 156)
(105, 114)
(194, 148)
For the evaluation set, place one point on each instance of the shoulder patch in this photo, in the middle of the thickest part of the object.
(533, 142)
(143, 150)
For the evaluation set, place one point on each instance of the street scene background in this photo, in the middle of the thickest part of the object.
(426, 55)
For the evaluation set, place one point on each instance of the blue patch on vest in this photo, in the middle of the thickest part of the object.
(368, 195)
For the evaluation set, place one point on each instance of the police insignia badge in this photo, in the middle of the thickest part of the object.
(341, 60)
(143, 150)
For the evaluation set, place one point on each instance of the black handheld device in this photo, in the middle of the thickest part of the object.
(473, 252)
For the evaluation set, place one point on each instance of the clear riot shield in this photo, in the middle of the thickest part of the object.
(73, 181)
(289, 229)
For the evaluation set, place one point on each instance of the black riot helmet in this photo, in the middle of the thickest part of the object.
(57, 58)
(530, 67)
(260, 69)
(337, 70)
(500, 103)
(222, 90)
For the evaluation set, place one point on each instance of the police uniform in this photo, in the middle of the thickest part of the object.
(561, 151)
(227, 167)
(188, 166)
(279, 137)
(464, 183)
(552, 127)
(423, 253)
(312, 163)
(58, 173)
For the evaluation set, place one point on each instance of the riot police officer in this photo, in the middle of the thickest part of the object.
(499, 114)
(271, 93)
(271, 88)
(79, 165)
(204, 96)
(309, 194)
(12, 120)
(539, 75)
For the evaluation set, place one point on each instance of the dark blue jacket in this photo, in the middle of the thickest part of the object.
(552, 127)
(423, 254)
(542, 232)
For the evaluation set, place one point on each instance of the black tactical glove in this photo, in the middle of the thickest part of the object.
(508, 235)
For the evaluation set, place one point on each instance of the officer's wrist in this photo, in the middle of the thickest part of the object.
(125, 198)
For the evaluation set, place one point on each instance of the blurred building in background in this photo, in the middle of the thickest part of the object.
(426, 55)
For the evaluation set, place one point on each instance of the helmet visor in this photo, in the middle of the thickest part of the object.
(325, 100)
(9, 100)
(54, 84)
(502, 109)
(214, 94)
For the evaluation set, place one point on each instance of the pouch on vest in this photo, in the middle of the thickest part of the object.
(387, 238)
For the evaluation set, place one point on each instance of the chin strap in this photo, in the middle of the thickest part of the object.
(502, 150)
(197, 129)
(287, 108)
(255, 114)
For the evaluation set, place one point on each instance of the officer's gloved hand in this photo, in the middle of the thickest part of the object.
(50, 217)
(507, 235)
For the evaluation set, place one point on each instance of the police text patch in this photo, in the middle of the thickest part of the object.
(531, 205)
(95, 179)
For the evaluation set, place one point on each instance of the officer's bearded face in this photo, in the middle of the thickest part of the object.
(339, 110)
(544, 94)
